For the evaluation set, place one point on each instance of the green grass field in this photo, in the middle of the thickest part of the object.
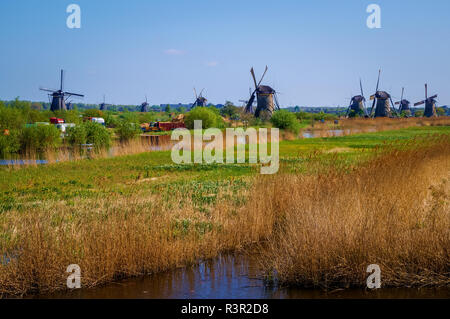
(155, 172)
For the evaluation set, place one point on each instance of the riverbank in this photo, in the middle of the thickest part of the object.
(137, 214)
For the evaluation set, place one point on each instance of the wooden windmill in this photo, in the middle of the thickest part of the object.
(357, 104)
(59, 97)
(430, 104)
(199, 99)
(144, 105)
(383, 102)
(104, 105)
(404, 105)
(266, 98)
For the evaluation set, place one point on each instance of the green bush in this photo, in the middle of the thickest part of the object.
(127, 130)
(76, 135)
(40, 138)
(98, 135)
(89, 133)
(9, 144)
(209, 117)
(285, 120)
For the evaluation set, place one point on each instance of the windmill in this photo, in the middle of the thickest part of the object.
(383, 102)
(357, 103)
(404, 105)
(59, 97)
(265, 97)
(430, 104)
(104, 105)
(199, 99)
(144, 105)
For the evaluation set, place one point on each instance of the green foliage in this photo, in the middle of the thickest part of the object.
(89, 133)
(76, 135)
(93, 113)
(419, 113)
(208, 115)
(229, 110)
(97, 134)
(168, 109)
(40, 138)
(440, 111)
(127, 130)
(285, 120)
(353, 113)
(9, 143)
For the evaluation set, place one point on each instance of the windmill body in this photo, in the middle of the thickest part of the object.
(104, 105)
(430, 108)
(383, 107)
(199, 99)
(144, 106)
(266, 99)
(60, 96)
(430, 104)
(404, 106)
(357, 105)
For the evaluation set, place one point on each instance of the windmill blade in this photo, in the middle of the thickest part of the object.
(433, 97)
(254, 78)
(276, 100)
(426, 91)
(73, 94)
(373, 105)
(378, 81)
(419, 103)
(195, 92)
(360, 85)
(397, 103)
(48, 90)
(393, 107)
(249, 106)
(62, 79)
(201, 92)
(403, 91)
(263, 75)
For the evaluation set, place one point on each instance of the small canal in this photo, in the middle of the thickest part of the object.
(230, 276)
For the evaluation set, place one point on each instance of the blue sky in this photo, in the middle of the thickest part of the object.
(316, 50)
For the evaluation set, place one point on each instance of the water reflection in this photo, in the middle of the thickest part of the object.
(228, 277)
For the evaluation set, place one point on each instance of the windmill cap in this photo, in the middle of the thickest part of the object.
(358, 98)
(405, 102)
(264, 89)
(382, 95)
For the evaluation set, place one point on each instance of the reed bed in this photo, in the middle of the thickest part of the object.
(393, 211)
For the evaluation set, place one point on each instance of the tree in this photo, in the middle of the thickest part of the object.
(286, 120)
(229, 110)
(208, 117)
(168, 109)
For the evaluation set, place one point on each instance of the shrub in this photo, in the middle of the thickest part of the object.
(208, 117)
(9, 143)
(98, 135)
(40, 138)
(127, 130)
(76, 135)
(89, 133)
(285, 120)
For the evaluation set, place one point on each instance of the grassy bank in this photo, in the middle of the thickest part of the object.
(139, 214)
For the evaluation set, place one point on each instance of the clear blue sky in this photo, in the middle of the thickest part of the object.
(316, 50)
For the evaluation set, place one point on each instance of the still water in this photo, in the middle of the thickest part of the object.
(231, 276)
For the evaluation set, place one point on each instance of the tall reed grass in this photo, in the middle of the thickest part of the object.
(393, 211)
